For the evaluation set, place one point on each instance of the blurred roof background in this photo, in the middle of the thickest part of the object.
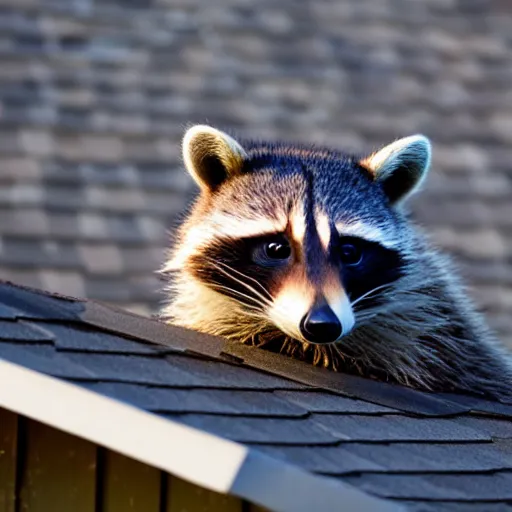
(95, 95)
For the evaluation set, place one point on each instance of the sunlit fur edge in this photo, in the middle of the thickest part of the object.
(391, 341)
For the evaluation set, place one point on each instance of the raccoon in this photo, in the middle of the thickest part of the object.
(312, 253)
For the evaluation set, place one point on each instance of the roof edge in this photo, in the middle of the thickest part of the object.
(194, 455)
(168, 445)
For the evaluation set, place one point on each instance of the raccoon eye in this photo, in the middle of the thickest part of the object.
(277, 250)
(350, 253)
(271, 253)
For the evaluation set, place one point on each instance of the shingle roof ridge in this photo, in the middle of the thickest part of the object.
(41, 291)
(111, 319)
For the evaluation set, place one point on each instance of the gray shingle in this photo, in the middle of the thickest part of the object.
(224, 375)
(496, 428)
(262, 430)
(173, 371)
(109, 289)
(479, 405)
(45, 360)
(396, 397)
(27, 253)
(40, 305)
(442, 457)
(447, 506)
(322, 402)
(492, 487)
(125, 228)
(8, 313)
(206, 401)
(403, 487)
(394, 428)
(79, 339)
(333, 460)
(22, 331)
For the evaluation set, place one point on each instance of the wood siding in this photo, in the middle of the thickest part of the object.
(186, 497)
(128, 485)
(8, 455)
(45, 470)
(56, 468)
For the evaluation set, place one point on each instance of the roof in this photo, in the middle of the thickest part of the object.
(95, 95)
(241, 420)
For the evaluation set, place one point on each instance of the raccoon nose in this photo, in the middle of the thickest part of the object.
(321, 325)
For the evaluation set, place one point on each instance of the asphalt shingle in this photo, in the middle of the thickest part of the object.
(322, 402)
(430, 457)
(264, 430)
(23, 332)
(9, 313)
(449, 506)
(496, 428)
(398, 428)
(332, 460)
(87, 340)
(40, 305)
(489, 487)
(227, 402)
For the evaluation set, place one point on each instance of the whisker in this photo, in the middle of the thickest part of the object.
(236, 280)
(248, 286)
(369, 293)
(244, 276)
(239, 294)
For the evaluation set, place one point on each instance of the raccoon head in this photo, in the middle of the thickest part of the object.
(292, 241)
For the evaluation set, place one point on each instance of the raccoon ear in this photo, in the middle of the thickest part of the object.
(401, 166)
(211, 156)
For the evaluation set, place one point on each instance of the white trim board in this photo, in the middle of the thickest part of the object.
(158, 442)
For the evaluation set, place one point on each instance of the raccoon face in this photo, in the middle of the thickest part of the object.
(299, 240)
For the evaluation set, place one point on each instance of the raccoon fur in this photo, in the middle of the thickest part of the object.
(311, 253)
